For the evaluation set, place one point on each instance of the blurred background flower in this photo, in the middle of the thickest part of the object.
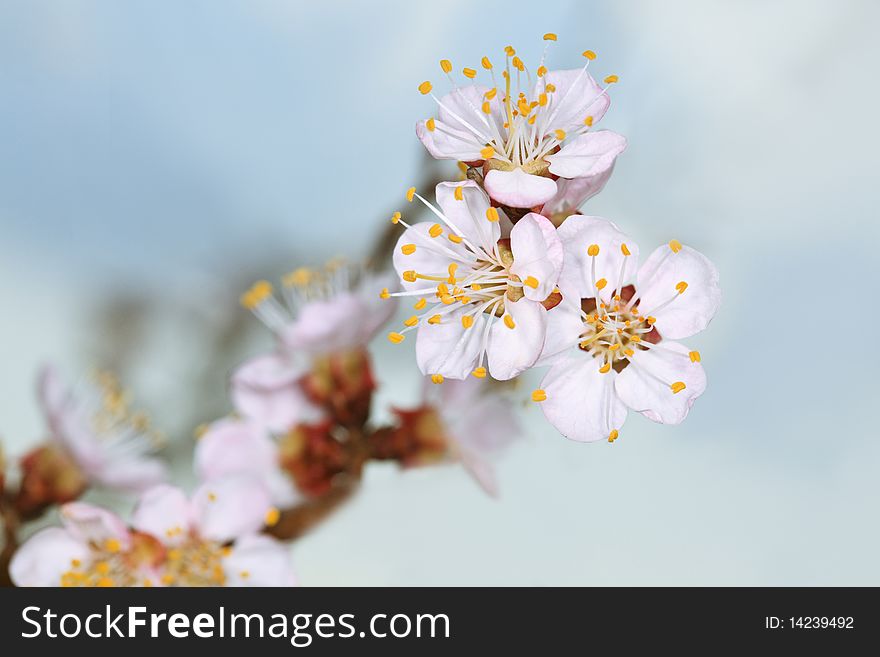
(157, 160)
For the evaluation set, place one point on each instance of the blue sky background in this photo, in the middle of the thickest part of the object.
(173, 150)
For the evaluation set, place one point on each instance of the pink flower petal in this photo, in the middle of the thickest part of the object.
(230, 507)
(512, 351)
(588, 155)
(537, 254)
(165, 512)
(45, 556)
(258, 560)
(519, 189)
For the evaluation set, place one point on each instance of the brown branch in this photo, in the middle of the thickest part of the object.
(299, 520)
(10, 520)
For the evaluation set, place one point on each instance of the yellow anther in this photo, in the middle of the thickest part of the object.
(611, 79)
(244, 574)
(384, 294)
(677, 387)
(560, 134)
(476, 287)
(589, 54)
(167, 580)
(542, 71)
(550, 87)
(434, 319)
(635, 338)
(523, 106)
(486, 107)
(395, 219)
(430, 124)
(425, 87)
(675, 245)
(604, 369)
(76, 563)
(542, 99)
(408, 249)
(615, 346)
(486, 63)
(453, 267)
(455, 239)
(613, 435)
(588, 121)
(681, 286)
(396, 338)
(629, 352)
(469, 73)
(410, 193)
(694, 356)
(492, 214)
(601, 283)
(412, 321)
(410, 275)
(447, 299)
(593, 250)
(539, 395)
(273, 515)
(147, 583)
(446, 65)
(442, 290)
(437, 379)
(509, 51)
(467, 321)
(212, 497)
(531, 282)
(549, 36)
(112, 545)
(517, 64)
(650, 319)
(508, 322)
(624, 249)
(490, 95)
(463, 167)
(479, 373)
(421, 303)
(259, 292)
(436, 230)
(487, 153)
(102, 567)
(106, 582)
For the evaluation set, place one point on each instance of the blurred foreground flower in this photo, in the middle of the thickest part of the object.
(610, 341)
(531, 142)
(211, 540)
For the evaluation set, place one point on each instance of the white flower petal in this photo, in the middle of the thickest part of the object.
(581, 402)
(448, 348)
(165, 512)
(512, 351)
(519, 189)
(590, 154)
(469, 214)
(577, 96)
(89, 523)
(537, 253)
(432, 255)
(578, 233)
(481, 470)
(266, 389)
(572, 194)
(464, 106)
(644, 385)
(45, 556)
(130, 474)
(258, 560)
(446, 142)
(564, 326)
(232, 506)
(689, 312)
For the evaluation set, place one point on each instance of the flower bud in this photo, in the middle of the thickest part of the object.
(48, 476)
(313, 457)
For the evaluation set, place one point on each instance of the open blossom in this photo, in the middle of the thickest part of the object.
(470, 421)
(111, 445)
(93, 547)
(320, 312)
(210, 540)
(612, 342)
(482, 289)
(532, 136)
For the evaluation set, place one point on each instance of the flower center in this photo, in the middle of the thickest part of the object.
(110, 566)
(196, 562)
(613, 332)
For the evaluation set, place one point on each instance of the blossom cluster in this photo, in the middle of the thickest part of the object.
(510, 275)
